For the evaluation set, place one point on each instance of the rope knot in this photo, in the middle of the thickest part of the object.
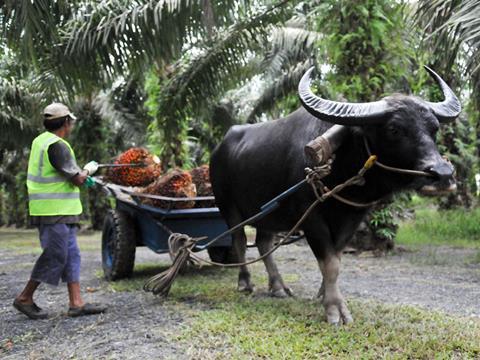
(178, 242)
(180, 246)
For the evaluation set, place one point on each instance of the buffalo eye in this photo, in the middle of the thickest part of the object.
(393, 130)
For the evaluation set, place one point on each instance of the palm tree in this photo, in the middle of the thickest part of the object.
(72, 50)
(81, 47)
(19, 107)
(453, 25)
(452, 32)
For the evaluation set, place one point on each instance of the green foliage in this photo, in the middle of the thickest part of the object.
(458, 143)
(13, 173)
(31, 27)
(167, 135)
(3, 215)
(283, 106)
(280, 96)
(198, 54)
(364, 45)
(452, 26)
(383, 223)
(16, 105)
(449, 44)
(19, 104)
(90, 141)
(164, 139)
(121, 36)
(456, 227)
(122, 109)
(202, 75)
(290, 51)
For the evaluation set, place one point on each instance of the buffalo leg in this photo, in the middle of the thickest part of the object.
(276, 286)
(240, 248)
(321, 292)
(335, 307)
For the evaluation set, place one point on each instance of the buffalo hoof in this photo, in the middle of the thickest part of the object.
(245, 285)
(281, 293)
(246, 288)
(338, 313)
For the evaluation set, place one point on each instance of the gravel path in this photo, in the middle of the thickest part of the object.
(441, 279)
(136, 326)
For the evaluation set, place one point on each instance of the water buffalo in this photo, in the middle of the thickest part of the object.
(254, 163)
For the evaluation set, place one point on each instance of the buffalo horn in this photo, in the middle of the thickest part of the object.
(448, 109)
(342, 113)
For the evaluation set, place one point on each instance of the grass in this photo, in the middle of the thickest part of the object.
(433, 227)
(141, 273)
(21, 241)
(221, 323)
(295, 329)
(235, 326)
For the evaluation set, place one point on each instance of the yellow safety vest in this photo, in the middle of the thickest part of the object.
(49, 193)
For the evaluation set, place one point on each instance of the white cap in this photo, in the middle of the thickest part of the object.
(57, 110)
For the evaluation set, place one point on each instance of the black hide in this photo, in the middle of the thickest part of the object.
(255, 163)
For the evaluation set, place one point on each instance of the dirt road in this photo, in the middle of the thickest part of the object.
(138, 325)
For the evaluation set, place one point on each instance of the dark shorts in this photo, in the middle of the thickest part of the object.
(60, 258)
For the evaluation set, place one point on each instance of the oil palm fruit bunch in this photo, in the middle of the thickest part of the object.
(177, 184)
(201, 179)
(148, 171)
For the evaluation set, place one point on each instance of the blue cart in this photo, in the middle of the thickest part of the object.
(130, 224)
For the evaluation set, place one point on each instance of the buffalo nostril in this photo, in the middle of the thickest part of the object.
(441, 171)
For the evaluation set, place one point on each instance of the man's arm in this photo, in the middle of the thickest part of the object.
(63, 161)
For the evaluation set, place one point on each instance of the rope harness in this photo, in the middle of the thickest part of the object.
(181, 245)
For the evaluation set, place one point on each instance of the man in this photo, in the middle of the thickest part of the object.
(53, 182)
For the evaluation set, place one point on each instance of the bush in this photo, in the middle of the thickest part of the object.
(449, 227)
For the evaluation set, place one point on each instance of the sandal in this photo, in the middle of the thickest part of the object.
(87, 309)
(31, 310)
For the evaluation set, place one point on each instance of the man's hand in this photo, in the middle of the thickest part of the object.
(80, 178)
(89, 182)
(91, 167)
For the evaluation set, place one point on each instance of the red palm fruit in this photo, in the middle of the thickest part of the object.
(176, 183)
(201, 179)
(135, 176)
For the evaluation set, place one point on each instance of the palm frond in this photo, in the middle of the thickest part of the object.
(19, 115)
(466, 24)
(281, 87)
(30, 27)
(122, 106)
(215, 67)
(451, 26)
(124, 34)
(289, 46)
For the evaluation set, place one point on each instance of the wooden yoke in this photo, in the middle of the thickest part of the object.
(322, 148)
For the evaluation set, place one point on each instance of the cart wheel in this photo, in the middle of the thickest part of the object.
(118, 245)
(221, 254)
